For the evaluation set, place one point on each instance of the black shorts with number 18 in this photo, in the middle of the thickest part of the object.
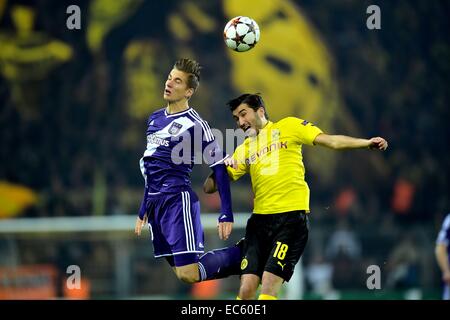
(274, 243)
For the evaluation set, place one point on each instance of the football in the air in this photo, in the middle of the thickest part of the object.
(241, 33)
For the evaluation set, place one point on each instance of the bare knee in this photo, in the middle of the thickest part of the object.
(249, 285)
(247, 292)
(271, 284)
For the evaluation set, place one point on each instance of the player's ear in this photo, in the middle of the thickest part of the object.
(261, 112)
(189, 93)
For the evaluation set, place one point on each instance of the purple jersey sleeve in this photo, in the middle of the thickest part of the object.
(223, 185)
(143, 208)
(214, 157)
(211, 151)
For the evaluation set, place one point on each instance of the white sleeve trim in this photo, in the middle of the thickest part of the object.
(220, 161)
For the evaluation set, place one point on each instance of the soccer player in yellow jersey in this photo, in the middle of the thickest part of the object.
(277, 231)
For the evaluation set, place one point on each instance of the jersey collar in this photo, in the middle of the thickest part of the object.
(169, 115)
(268, 125)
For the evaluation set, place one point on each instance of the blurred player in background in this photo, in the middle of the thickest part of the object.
(442, 255)
(175, 135)
(277, 232)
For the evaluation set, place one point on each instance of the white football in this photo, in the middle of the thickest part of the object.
(241, 33)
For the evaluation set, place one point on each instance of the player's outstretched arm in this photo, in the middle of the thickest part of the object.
(225, 221)
(210, 184)
(141, 220)
(340, 142)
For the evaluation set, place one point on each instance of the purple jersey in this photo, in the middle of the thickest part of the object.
(444, 234)
(174, 143)
(444, 238)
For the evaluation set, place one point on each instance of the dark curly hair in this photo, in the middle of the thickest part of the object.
(254, 101)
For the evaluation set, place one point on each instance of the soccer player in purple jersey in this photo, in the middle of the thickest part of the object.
(442, 252)
(176, 135)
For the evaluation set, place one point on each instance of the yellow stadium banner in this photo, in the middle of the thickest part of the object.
(14, 199)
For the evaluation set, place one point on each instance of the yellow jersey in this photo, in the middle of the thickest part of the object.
(275, 163)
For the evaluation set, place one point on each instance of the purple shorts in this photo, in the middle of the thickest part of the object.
(175, 226)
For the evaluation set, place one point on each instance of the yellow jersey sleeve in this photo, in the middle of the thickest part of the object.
(304, 131)
(240, 156)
